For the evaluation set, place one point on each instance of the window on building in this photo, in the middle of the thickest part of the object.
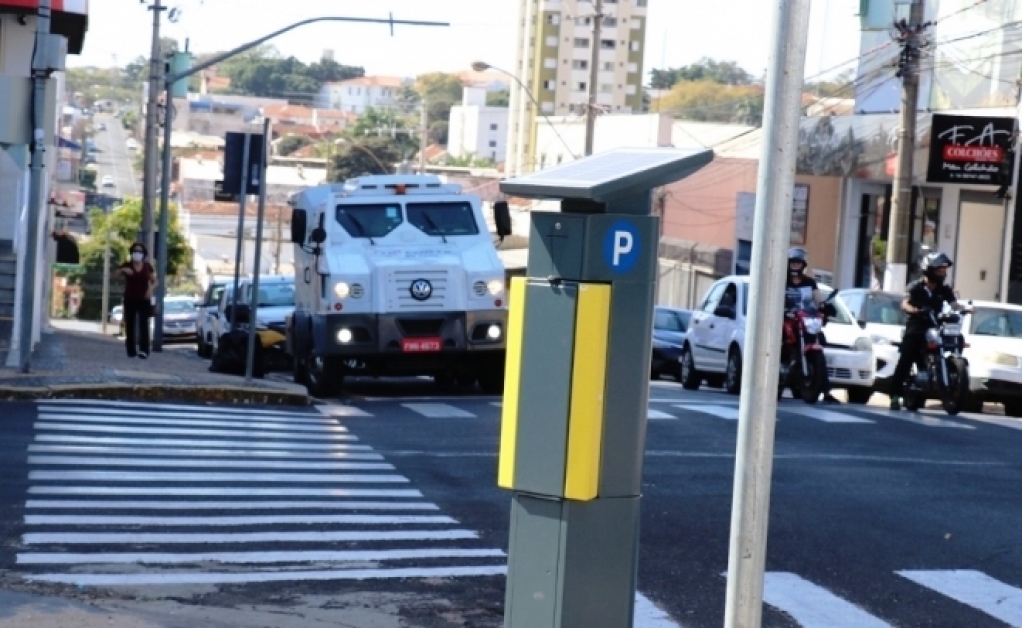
(606, 89)
(581, 86)
(493, 155)
(607, 66)
(636, 25)
(547, 107)
(608, 44)
(493, 144)
(584, 21)
(551, 42)
(493, 127)
(610, 22)
(633, 68)
(579, 64)
(550, 64)
(553, 19)
(640, 3)
(610, 1)
(581, 42)
(631, 90)
(636, 46)
(549, 85)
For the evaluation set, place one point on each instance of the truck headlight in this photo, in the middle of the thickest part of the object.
(342, 290)
(344, 336)
(863, 344)
(493, 333)
(495, 286)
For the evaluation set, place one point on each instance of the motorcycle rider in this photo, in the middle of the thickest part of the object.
(926, 294)
(801, 291)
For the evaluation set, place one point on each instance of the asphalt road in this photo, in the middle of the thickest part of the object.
(878, 519)
(114, 158)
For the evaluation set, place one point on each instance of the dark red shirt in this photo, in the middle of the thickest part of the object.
(137, 284)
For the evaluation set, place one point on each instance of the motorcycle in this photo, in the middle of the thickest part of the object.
(942, 372)
(803, 365)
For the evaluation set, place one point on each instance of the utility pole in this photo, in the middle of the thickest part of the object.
(151, 124)
(898, 239)
(594, 76)
(280, 219)
(423, 137)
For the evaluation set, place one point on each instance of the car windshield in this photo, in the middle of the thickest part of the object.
(276, 295)
(369, 221)
(997, 322)
(443, 219)
(843, 315)
(667, 320)
(178, 307)
(884, 309)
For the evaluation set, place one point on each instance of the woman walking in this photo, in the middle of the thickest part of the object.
(139, 282)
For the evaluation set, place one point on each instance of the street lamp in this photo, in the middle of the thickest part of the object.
(482, 66)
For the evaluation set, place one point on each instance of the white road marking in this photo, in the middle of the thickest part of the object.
(185, 443)
(149, 407)
(819, 414)
(113, 520)
(278, 536)
(920, 419)
(118, 429)
(170, 476)
(722, 412)
(263, 576)
(201, 414)
(199, 453)
(1003, 421)
(151, 491)
(975, 589)
(647, 615)
(213, 464)
(438, 411)
(656, 415)
(246, 425)
(36, 504)
(342, 411)
(812, 606)
(497, 404)
(163, 558)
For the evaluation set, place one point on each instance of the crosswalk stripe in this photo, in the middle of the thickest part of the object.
(105, 520)
(309, 419)
(255, 478)
(267, 576)
(200, 453)
(1008, 422)
(201, 538)
(181, 407)
(342, 411)
(165, 558)
(214, 464)
(248, 425)
(655, 415)
(729, 413)
(44, 504)
(820, 414)
(921, 419)
(813, 606)
(647, 615)
(191, 491)
(186, 443)
(438, 411)
(975, 589)
(116, 429)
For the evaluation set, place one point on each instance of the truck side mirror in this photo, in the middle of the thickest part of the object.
(298, 226)
(318, 235)
(502, 218)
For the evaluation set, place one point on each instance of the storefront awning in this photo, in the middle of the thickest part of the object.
(70, 18)
(66, 143)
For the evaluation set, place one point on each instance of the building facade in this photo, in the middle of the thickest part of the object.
(555, 47)
(358, 94)
(476, 129)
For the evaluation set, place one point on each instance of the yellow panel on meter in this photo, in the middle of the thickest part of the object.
(512, 383)
(588, 391)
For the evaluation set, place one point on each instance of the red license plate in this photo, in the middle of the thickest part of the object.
(420, 345)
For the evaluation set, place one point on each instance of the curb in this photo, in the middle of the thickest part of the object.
(158, 392)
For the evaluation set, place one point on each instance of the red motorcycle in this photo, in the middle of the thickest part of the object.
(803, 365)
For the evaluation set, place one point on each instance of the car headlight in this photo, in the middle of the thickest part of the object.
(342, 290)
(1002, 359)
(495, 286)
(881, 340)
(863, 344)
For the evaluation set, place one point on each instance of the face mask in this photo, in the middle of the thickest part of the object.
(138, 257)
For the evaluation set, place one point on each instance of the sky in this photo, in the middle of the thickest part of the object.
(680, 32)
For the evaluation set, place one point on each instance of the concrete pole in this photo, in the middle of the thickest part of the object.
(151, 122)
(423, 137)
(594, 76)
(757, 411)
(106, 267)
(526, 119)
(899, 236)
(1009, 208)
(36, 202)
(254, 307)
(163, 245)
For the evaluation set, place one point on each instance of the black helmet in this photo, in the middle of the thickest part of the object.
(932, 261)
(798, 254)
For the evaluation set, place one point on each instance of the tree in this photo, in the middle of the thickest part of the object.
(708, 101)
(499, 99)
(386, 123)
(706, 69)
(369, 155)
(438, 132)
(441, 92)
(262, 71)
(291, 143)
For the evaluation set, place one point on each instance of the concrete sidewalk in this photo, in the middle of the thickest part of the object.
(79, 364)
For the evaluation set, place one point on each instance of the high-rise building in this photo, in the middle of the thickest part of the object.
(555, 50)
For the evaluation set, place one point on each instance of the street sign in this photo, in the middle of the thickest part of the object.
(233, 162)
(621, 248)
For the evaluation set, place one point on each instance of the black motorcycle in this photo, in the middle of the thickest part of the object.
(940, 372)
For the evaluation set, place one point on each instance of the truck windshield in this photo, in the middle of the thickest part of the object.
(369, 221)
(443, 219)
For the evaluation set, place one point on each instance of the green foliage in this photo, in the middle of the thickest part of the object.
(291, 143)
(499, 99)
(263, 72)
(708, 101)
(368, 155)
(129, 119)
(468, 161)
(441, 92)
(438, 132)
(706, 69)
(381, 123)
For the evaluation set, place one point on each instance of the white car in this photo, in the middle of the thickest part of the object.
(132, 144)
(993, 337)
(885, 322)
(108, 181)
(715, 344)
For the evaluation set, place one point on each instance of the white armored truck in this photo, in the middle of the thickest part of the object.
(396, 275)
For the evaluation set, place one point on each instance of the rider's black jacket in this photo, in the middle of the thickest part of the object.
(919, 295)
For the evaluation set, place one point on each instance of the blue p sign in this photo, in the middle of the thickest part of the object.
(621, 246)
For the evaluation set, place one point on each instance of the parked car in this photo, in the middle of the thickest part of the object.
(116, 317)
(715, 343)
(669, 327)
(108, 181)
(179, 318)
(208, 309)
(993, 337)
(131, 143)
(276, 302)
(101, 126)
(885, 322)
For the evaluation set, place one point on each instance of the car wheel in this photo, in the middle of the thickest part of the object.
(733, 375)
(690, 377)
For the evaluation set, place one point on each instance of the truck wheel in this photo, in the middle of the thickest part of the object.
(323, 377)
(491, 380)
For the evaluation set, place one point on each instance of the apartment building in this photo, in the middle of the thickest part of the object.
(555, 50)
